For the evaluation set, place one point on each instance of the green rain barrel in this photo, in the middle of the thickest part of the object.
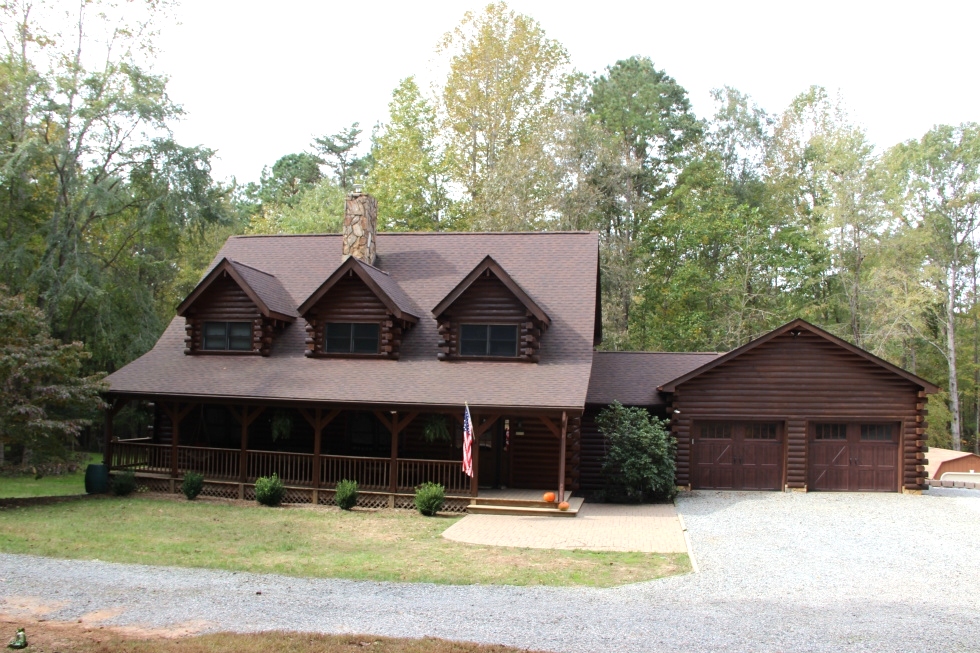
(97, 479)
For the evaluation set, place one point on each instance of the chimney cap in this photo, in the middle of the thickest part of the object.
(358, 189)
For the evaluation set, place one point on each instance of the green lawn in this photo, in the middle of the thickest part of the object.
(386, 545)
(24, 485)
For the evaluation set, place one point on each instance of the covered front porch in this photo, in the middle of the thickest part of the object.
(389, 452)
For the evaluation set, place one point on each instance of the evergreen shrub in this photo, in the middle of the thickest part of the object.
(123, 483)
(346, 495)
(639, 463)
(269, 490)
(192, 485)
(429, 498)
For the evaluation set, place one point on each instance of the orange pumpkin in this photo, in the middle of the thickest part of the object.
(549, 497)
(563, 505)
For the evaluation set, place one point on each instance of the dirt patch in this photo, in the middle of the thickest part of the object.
(55, 636)
(29, 606)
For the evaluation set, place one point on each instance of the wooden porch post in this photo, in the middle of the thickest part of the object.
(317, 436)
(393, 469)
(243, 455)
(561, 454)
(319, 422)
(110, 412)
(245, 419)
(176, 415)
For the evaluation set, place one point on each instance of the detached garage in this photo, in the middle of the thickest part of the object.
(799, 408)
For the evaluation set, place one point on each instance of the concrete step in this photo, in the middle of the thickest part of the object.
(547, 510)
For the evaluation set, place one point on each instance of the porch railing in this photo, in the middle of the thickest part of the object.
(370, 473)
(294, 469)
(448, 473)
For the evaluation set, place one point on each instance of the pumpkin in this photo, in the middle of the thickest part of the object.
(563, 505)
(549, 497)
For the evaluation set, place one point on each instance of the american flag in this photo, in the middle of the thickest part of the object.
(467, 443)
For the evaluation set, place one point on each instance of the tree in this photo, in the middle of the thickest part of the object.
(408, 172)
(649, 123)
(939, 177)
(505, 86)
(45, 400)
(639, 461)
(99, 196)
(291, 175)
(337, 151)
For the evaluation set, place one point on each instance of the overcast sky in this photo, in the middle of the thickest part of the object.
(260, 79)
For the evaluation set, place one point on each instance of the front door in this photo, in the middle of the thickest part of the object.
(738, 455)
(853, 457)
(490, 457)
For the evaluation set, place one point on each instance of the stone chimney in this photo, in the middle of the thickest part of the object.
(360, 227)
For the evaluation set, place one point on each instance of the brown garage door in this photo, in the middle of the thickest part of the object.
(738, 456)
(853, 457)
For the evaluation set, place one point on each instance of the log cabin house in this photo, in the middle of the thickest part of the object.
(350, 356)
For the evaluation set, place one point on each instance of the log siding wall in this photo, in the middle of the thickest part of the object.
(797, 380)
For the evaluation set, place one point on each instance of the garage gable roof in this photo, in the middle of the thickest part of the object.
(800, 324)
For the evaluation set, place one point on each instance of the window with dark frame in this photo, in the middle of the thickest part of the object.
(830, 431)
(351, 337)
(227, 336)
(716, 430)
(761, 431)
(498, 340)
(876, 432)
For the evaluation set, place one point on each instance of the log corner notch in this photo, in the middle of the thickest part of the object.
(914, 448)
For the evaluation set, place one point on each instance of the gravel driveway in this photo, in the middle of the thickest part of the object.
(780, 572)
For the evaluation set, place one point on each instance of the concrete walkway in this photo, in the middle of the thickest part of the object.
(598, 527)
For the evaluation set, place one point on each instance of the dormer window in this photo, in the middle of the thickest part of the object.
(358, 311)
(235, 308)
(228, 336)
(488, 315)
(351, 337)
(488, 340)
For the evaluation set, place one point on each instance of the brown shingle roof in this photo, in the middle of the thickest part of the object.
(268, 288)
(557, 269)
(632, 377)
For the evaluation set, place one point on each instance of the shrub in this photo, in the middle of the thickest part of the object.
(639, 463)
(269, 490)
(124, 483)
(346, 495)
(429, 498)
(192, 485)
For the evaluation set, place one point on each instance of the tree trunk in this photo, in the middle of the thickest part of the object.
(976, 365)
(954, 396)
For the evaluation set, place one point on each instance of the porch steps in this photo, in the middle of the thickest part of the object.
(524, 508)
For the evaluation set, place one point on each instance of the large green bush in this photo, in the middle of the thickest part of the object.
(639, 463)
(429, 498)
(346, 494)
(269, 490)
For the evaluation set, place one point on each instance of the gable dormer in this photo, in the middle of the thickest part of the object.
(489, 316)
(235, 309)
(358, 311)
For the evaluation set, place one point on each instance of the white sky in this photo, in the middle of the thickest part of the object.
(260, 79)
